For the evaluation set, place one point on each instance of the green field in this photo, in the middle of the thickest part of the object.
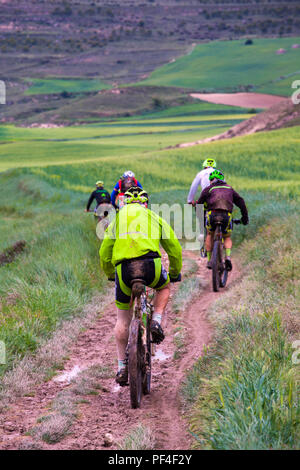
(22, 147)
(45, 86)
(240, 159)
(227, 66)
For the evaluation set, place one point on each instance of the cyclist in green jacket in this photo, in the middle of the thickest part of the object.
(130, 250)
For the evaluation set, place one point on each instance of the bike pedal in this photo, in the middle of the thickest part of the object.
(123, 384)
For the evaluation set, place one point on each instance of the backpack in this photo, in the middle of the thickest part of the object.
(125, 184)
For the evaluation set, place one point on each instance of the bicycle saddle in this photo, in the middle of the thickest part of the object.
(138, 286)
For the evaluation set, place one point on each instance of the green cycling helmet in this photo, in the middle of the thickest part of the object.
(216, 174)
(209, 162)
(136, 194)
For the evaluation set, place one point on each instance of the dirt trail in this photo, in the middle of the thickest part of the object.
(109, 411)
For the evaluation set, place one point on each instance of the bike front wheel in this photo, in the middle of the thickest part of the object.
(223, 277)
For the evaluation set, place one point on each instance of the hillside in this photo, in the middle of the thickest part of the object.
(55, 54)
(283, 114)
(233, 66)
(112, 37)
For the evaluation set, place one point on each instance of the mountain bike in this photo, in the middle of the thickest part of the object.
(219, 271)
(139, 348)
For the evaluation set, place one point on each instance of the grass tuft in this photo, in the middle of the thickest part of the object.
(140, 437)
(243, 392)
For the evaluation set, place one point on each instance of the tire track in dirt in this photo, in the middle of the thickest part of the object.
(109, 411)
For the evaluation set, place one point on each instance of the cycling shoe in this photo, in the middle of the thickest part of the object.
(122, 377)
(228, 264)
(157, 332)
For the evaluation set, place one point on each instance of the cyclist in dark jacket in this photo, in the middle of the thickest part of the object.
(220, 198)
(100, 194)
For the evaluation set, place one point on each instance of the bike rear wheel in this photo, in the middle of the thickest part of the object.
(135, 364)
(147, 367)
(215, 264)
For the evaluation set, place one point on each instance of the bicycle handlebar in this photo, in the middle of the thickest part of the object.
(237, 221)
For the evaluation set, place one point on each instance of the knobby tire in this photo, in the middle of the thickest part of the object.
(215, 263)
(135, 363)
(147, 365)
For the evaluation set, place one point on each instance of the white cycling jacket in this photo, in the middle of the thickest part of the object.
(202, 180)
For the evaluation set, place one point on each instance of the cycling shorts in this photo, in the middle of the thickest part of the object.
(150, 270)
(226, 221)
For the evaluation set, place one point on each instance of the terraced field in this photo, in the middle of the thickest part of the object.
(23, 147)
(46, 86)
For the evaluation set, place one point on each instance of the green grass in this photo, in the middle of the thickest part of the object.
(281, 86)
(57, 273)
(193, 109)
(50, 85)
(230, 66)
(262, 162)
(141, 437)
(21, 147)
(244, 391)
(253, 404)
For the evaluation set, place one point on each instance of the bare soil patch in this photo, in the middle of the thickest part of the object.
(243, 100)
(12, 252)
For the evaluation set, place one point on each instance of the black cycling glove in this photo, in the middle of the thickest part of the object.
(245, 220)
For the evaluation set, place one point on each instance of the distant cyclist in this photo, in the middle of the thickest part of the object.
(201, 179)
(126, 181)
(220, 198)
(100, 195)
(130, 249)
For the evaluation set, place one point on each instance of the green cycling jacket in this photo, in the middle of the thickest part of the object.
(135, 232)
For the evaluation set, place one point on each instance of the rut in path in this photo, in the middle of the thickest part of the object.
(109, 411)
